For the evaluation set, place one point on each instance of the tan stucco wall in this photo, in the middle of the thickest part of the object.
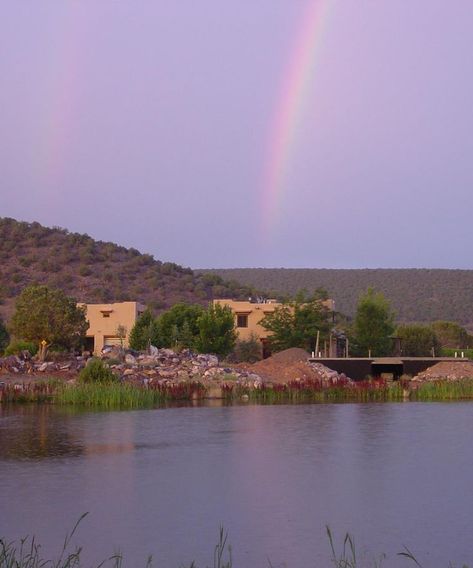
(256, 313)
(104, 329)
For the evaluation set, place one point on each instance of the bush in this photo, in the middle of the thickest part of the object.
(4, 336)
(247, 350)
(450, 352)
(17, 346)
(96, 371)
(418, 340)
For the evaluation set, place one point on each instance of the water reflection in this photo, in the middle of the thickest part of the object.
(162, 481)
(35, 432)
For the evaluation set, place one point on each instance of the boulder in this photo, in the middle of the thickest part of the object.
(130, 359)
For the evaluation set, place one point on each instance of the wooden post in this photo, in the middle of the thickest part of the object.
(317, 342)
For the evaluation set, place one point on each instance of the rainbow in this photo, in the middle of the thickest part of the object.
(60, 116)
(292, 102)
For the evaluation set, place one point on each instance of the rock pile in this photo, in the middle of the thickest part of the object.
(328, 376)
(167, 366)
(446, 370)
(24, 365)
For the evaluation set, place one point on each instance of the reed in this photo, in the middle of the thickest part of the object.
(125, 395)
(32, 392)
(443, 390)
(26, 553)
(101, 395)
(115, 395)
(316, 391)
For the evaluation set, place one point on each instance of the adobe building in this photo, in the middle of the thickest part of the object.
(107, 320)
(248, 316)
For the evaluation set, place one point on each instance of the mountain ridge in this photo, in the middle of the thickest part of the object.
(95, 271)
(416, 294)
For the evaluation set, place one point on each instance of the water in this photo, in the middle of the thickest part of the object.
(162, 481)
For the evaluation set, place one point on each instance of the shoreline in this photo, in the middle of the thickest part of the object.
(117, 395)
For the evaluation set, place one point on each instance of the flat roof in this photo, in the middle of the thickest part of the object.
(389, 360)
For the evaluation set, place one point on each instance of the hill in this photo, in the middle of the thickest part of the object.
(95, 271)
(417, 295)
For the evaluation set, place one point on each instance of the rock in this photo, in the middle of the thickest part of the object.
(43, 367)
(147, 360)
(130, 359)
(128, 372)
(167, 353)
(153, 351)
(167, 374)
(112, 352)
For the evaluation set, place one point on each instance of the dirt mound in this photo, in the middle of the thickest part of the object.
(293, 355)
(285, 366)
(291, 365)
(447, 370)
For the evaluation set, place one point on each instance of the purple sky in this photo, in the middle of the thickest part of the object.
(148, 124)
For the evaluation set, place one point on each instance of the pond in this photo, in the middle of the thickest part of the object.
(162, 481)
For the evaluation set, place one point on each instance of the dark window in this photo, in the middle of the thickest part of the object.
(242, 320)
(105, 314)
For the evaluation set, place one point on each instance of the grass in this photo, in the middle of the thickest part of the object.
(101, 395)
(26, 553)
(315, 391)
(444, 390)
(132, 396)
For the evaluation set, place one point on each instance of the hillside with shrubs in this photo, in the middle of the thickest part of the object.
(416, 295)
(97, 272)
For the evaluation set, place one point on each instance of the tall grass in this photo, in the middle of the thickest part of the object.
(129, 396)
(26, 553)
(443, 390)
(32, 392)
(316, 391)
(101, 395)
(115, 395)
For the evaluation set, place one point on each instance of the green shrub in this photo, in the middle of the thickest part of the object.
(96, 371)
(450, 352)
(4, 336)
(17, 346)
(247, 350)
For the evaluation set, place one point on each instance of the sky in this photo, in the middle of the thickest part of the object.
(249, 133)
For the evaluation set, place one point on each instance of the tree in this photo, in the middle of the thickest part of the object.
(49, 316)
(216, 330)
(145, 332)
(4, 336)
(450, 334)
(298, 322)
(417, 340)
(179, 325)
(120, 332)
(373, 325)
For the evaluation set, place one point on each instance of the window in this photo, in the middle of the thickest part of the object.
(242, 320)
(105, 314)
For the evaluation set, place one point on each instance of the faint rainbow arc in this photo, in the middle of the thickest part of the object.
(289, 110)
(61, 113)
